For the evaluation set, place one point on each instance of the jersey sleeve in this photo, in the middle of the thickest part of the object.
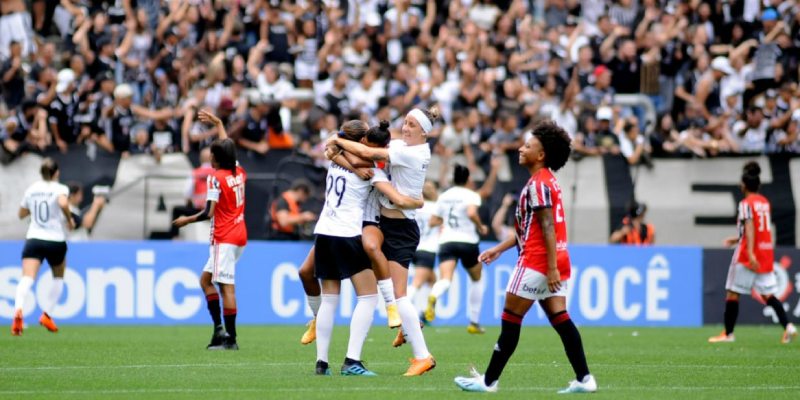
(439, 209)
(401, 156)
(474, 199)
(540, 195)
(745, 211)
(24, 202)
(213, 188)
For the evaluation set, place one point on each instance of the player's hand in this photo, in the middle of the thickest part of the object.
(754, 264)
(308, 216)
(729, 242)
(364, 173)
(62, 145)
(553, 280)
(489, 256)
(207, 117)
(483, 230)
(180, 222)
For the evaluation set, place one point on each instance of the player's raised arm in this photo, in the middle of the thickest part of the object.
(207, 117)
(360, 150)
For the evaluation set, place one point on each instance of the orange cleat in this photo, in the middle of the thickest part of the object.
(400, 339)
(421, 366)
(722, 338)
(16, 325)
(48, 323)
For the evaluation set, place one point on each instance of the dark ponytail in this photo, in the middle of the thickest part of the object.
(379, 134)
(49, 169)
(751, 178)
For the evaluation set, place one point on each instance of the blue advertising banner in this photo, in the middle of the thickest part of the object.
(157, 283)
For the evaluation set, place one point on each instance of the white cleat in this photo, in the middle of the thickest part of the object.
(475, 383)
(589, 385)
(789, 334)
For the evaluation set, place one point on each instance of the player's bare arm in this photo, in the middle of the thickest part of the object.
(207, 117)
(360, 150)
(63, 204)
(472, 213)
(364, 170)
(400, 200)
(489, 256)
(435, 221)
(545, 218)
(205, 214)
(750, 234)
(23, 213)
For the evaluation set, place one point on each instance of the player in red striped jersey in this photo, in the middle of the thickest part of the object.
(543, 267)
(753, 261)
(225, 208)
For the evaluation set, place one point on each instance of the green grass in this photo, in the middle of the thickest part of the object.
(83, 362)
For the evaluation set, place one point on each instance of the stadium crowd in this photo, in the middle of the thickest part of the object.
(128, 76)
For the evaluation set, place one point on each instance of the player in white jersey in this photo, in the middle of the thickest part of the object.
(457, 213)
(408, 156)
(425, 257)
(339, 254)
(85, 220)
(46, 203)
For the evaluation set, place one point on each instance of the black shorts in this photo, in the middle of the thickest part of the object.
(424, 259)
(337, 258)
(467, 253)
(400, 239)
(53, 252)
(369, 223)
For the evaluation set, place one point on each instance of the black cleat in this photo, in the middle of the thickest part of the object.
(218, 338)
(228, 344)
(322, 368)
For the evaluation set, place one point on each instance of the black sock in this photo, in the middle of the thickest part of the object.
(230, 322)
(212, 301)
(731, 313)
(573, 345)
(779, 311)
(506, 344)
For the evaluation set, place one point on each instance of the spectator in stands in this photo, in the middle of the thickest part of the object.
(251, 131)
(286, 214)
(607, 142)
(599, 93)
(634, 230)
(25, 130)
(196, 189)
(632, 144)
(751, 132)
(63, 110)
(12, 76)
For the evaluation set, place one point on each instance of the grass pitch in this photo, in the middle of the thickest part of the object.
(153, 362)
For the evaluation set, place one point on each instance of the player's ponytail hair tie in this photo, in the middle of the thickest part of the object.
(423, 120)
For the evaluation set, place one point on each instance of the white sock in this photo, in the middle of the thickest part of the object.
(387, 291)
(360, 324)
(475, 299)
(411, 293)
(423, 294)
(313, 304)
(411, 328)
(55, 293)
(327, 311)
(440, 287)
(23, 287)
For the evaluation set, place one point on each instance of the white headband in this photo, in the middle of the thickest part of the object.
(422, 119)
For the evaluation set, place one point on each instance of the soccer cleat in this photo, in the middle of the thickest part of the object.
(48, 323)
(589, 385)
(400, 339)
(310, 334)
(393, 316)
(217, 338)
(722, 338)
(322, 368)
(789, 334)
(420, 366)
(229, 343)
(475, 329)
(475, 383)
(16, 325)
(355, 368)
(430, 311)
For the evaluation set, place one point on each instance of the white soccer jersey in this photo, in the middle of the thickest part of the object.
(345, 198)
(428, 237)
(47, 220)
(452, 208)
(407, 166)
(372, 209)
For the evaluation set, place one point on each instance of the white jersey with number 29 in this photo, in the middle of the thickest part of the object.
(452, 207)
(47, 220)
(345, 199)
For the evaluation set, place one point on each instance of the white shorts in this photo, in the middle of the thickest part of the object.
(743, 280)
(221, 263)
(532, 285)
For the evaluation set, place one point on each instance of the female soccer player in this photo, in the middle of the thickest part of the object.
(543, 267)
(225, 208)
(46, 202)
(752, 264)
(408, 159)
(339, 254)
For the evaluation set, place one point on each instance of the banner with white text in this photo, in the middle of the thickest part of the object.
(157, 282)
